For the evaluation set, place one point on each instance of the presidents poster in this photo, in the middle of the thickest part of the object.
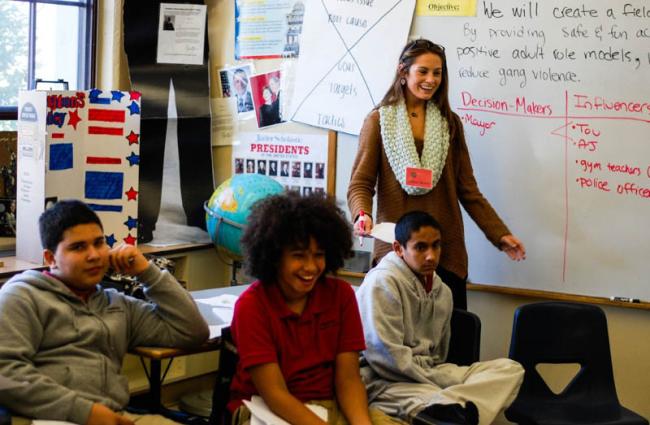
(297, 161)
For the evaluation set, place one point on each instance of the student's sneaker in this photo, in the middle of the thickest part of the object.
(448, 414)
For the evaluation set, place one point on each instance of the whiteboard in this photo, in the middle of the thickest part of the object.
(555, 101)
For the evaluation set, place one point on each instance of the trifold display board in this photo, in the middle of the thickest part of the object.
(78, 145)
(555, 101)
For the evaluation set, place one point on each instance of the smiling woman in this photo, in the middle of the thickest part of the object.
(412, 153)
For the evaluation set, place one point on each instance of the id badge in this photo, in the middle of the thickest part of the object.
(419, 177)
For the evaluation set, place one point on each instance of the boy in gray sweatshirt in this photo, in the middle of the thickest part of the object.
(406, 312)
(65, 336)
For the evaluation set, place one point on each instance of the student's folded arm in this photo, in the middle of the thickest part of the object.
(41, 396)
(270, 384)
(171, 318)
(383, 323)
(350, 391)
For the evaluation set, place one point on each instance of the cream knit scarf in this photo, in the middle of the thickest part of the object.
(399, 143)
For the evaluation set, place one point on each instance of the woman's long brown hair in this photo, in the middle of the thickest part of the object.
(410, 52)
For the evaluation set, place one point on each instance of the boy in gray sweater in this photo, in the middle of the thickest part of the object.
(406, 312)
(65, 336)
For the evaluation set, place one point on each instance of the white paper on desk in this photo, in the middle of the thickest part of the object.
(262, 415)
(215, 330)
(224, 314)
(384, 232)
(8, 383)
(223, 300)
(47, 422)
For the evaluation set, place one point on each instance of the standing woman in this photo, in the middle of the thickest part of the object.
(414, 128)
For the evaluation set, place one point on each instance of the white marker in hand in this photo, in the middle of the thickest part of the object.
(361, 224)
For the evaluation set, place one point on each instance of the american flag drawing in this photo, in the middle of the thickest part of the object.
(94, 155)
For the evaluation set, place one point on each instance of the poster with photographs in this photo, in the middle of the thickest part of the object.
(235, 82)
(298, 161)
(267, 92)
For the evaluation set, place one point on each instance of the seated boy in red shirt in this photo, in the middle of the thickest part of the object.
(298, 333)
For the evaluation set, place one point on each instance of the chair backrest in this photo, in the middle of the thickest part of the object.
(560, 332)
(465, 344)
(228, 359)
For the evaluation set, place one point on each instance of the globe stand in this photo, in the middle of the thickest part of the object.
(236, 265)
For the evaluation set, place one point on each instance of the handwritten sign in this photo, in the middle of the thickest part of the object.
(347, 60)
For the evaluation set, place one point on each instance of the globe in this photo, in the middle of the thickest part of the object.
(229, 207)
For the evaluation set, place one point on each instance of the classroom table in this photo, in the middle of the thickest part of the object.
(155, 376)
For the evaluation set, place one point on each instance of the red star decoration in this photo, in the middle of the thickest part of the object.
(131, 194)
(74, 119)
(133, 138)
(135, 95)
(129, 240)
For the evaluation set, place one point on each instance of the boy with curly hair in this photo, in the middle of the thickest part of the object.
(298, 331)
